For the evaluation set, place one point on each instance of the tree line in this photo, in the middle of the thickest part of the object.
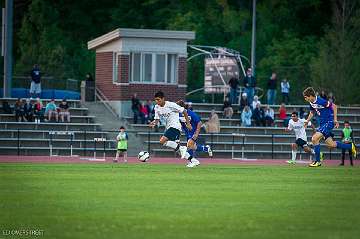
(309, 42)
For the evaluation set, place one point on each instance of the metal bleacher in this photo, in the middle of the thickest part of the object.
(257, 142)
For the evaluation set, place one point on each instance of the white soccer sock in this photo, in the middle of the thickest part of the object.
(171, 144)
(293, 155)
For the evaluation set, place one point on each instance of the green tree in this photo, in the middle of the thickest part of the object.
(337, 67)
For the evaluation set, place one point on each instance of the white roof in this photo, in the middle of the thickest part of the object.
(140, 33)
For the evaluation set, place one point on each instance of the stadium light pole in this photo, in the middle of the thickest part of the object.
(253, 38)
(8, 47)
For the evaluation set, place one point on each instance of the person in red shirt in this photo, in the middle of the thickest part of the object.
(283, 115)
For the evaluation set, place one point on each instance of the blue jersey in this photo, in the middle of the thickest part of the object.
(194, 120)
(323, 109)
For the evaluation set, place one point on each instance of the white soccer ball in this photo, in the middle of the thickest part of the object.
(144, 156)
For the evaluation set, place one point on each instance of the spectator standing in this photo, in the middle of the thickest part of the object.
(28, 110)
(285, 89)
(258, 116)
(271, 92)
(331, 97)
(283, 115)
(64, 111)
(269, 116)
(51, 110)
(135, 107)
(347, 138)
(89, 77)
(246, 117)
(250, 84)
(144, 114)
(323, 95)
(38, 111)
(234, 84)
(35, 86)
(19, 110)
(255, 102)
(228, 110)
(213, 124)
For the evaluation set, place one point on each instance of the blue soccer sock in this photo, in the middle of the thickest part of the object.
(201, 148)
(191, 152)
(340, 145)
(317, 152)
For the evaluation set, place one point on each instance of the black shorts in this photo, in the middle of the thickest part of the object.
(122, 150)
(301, 142)
(172, 134)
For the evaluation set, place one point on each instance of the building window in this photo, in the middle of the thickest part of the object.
(115, 67)
(153, 68)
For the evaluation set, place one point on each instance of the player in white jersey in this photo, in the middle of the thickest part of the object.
(297, 125)
(169, 111)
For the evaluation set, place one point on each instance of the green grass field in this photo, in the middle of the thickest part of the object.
(171, 201)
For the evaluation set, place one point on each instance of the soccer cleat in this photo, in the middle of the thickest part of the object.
(315, 164)
(321, 156)
(193, 163)
(353, 150)
(291, 161)
(183, 150)
(210, 152)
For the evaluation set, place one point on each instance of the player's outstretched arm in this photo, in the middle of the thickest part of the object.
(153, 123)
(188, 125)
(311, 114)
(335, 115)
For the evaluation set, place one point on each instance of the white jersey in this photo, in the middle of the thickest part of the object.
(298, 128)
(170, 113)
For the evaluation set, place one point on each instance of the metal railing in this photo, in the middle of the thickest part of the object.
(87, 140)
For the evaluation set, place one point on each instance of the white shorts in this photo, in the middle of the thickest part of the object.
(35, 88)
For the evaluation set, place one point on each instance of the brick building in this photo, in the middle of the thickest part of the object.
(140, 61)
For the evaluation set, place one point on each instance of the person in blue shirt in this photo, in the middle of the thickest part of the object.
(193, 134)
(327, 112)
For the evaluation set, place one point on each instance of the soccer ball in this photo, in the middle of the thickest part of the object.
(144, 156)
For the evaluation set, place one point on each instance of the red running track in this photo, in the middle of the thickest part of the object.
(156, 160)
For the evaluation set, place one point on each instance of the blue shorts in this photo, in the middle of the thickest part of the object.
(172, 134)
(326, 129)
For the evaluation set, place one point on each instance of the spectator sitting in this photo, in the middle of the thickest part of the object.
(283, 115)
(228, 110)
(151, 109)
(255, 102)
(301, 113)
(269, 116)
(64, 111)
(51, 110)
(19, 110)
(243, 102)
(38, 111)
(258, 116)
(6, 107)
(144, 114)
(213, 124)
(246, 117)
(28, 111)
